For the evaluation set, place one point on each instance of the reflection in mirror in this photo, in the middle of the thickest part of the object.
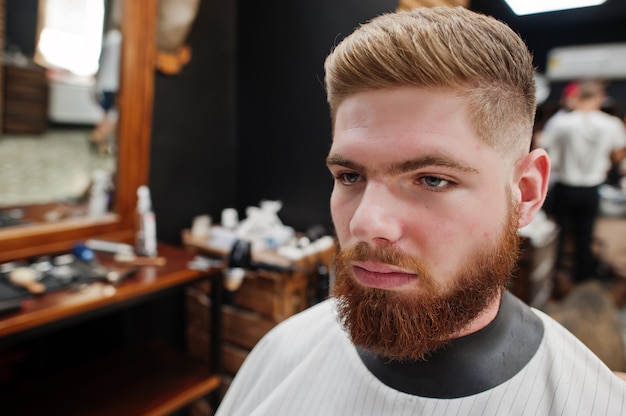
(135, 99)
(58, 146)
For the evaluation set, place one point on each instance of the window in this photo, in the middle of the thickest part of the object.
(70, 35)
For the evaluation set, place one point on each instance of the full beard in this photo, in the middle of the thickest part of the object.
(408, 325)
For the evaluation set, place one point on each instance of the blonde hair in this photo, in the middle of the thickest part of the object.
(443, 48)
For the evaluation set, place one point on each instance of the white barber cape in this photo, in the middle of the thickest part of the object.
(307, 366)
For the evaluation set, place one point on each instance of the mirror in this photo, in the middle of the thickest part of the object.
(51, 113)
(133, 148)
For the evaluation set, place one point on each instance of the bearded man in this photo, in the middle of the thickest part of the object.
(432, 112)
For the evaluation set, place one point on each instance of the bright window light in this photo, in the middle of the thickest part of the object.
(71, 35)
(524, 7)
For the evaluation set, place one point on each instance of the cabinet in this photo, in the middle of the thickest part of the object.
(26, 94)
(264, 299)
(146, 378)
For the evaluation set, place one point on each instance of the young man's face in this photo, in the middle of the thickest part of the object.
(424, 217)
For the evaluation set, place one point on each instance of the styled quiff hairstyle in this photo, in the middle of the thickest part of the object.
(447, 48)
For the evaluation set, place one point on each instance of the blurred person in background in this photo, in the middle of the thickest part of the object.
(582, 144)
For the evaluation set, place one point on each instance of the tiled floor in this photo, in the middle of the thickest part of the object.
(53, 166)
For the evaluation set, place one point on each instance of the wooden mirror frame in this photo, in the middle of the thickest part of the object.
(135, 102)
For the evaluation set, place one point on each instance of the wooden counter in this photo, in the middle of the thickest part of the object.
(149, 379)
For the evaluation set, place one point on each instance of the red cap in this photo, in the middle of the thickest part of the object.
(570, 90)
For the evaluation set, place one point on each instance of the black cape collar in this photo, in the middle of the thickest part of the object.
(471, 364)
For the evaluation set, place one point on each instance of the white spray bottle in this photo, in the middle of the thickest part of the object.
(145, 237)
(98, 194)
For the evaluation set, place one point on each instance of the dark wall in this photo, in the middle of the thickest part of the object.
(284, 127)
(194, 148)
(20, 26)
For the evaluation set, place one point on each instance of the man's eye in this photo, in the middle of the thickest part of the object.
(348, 178)
(435, 182)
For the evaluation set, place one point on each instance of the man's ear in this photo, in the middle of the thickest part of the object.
(533, 174)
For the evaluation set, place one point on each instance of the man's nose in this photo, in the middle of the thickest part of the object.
(376, 219)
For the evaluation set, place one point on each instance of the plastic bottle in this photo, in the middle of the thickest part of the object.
(98, 196)
(145, 237)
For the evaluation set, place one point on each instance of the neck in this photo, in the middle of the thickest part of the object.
(589, 105)
(482, 320)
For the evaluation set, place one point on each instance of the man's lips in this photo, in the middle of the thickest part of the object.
(382, 276)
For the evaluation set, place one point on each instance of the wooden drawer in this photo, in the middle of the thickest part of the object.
(244, 328)
(276, 296)
(199, 347)
(233, 357)
(25, 75)
(197, 308)
(25, 100)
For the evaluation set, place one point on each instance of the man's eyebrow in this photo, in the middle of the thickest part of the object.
(407, 166)
(338, 160)
(432, 160)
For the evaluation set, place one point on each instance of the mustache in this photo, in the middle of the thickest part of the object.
(362, 252)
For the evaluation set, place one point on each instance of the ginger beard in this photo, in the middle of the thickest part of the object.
(408, 325)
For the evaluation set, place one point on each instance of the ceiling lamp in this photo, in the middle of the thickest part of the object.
(524, 7)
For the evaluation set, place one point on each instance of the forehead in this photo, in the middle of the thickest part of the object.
(403, 122)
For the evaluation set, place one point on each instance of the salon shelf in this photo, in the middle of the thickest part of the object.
(130, 378)
(149, 379)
